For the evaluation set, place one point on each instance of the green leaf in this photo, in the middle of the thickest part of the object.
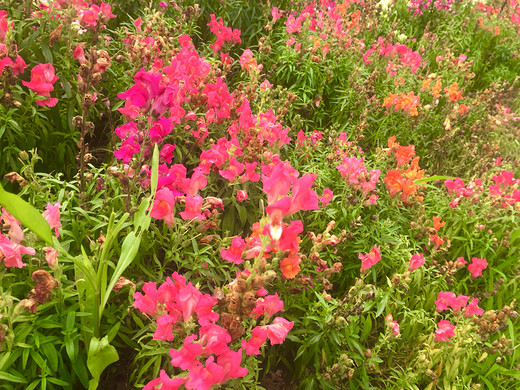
(382, 305)
(155, 170)
(26, 214)
(100, 355)
(431, 178)
(129, 250)
(12, 378)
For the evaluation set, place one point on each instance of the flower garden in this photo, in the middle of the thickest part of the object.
(264, 194)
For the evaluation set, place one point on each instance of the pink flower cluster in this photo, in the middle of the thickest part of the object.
(353, 169)
(407, 56)
(206, 354)
(224, 34)
(445, 300)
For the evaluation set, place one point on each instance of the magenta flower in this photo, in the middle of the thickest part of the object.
(416, 261)
(444, 331)
(188, 298)
(147, 303)
(204, 377)
(164, 328)
(185, 357)
(477, 266)
(326, 197)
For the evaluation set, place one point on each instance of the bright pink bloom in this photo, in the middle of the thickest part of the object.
(42, 80)
(234, 169)
(250, 173)
(269, 305)
(444, 331)
(235, 251)
(473, 308)
(241, 195)
(147, 303)
(445, 300)
(461, 260)
(164, 206)
(416, 261)
(277, 331)
(370, 259)
(163, 5)
(304, 198)
(289, 239)
(258, 338)
(188, 298)
(214, 339)
(327, 196)
(477, 266)
(231, 361)
(52, 215)
(164, 382)
(185, 357)
(459, 302)
(192, 210)
(393, 325)
(164, 328)
(12, 252)
(278, 183)
(204, 377)
(204, 310)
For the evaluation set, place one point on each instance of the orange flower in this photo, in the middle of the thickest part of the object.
(426, 84)
(404, 154)
(437, 241)
(463, 109)
(436, 90)
(390, 100)
(290, 266)
(437, 224)
(453, 93)
(408, 103)
(391, 142)
(393, 181)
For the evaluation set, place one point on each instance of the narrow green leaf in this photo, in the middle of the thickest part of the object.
(12, 378)
(26, 214)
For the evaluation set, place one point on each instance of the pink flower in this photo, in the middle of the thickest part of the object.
(147, 303)
(473, 308)
(416, 261)
(164, 206)
(51, 256)
(444, 300)
(477, 266)
(185, 357)
(187, 298)
(258, 338)
(460, 260)
(241, 195)
(277, 331)
(270, 305)
(52, 215)
(42, 80)
(165, 382)
(204, 377)
(234, 253)
(370, 259)
(12, 252)
(231, 361)
(459, 302)
(393, 325)
(326, 197)
(15, 232)
(444, 331)
(372, 200)
(214, 339)
(192, 210)
(164, 328)
(163, 5)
